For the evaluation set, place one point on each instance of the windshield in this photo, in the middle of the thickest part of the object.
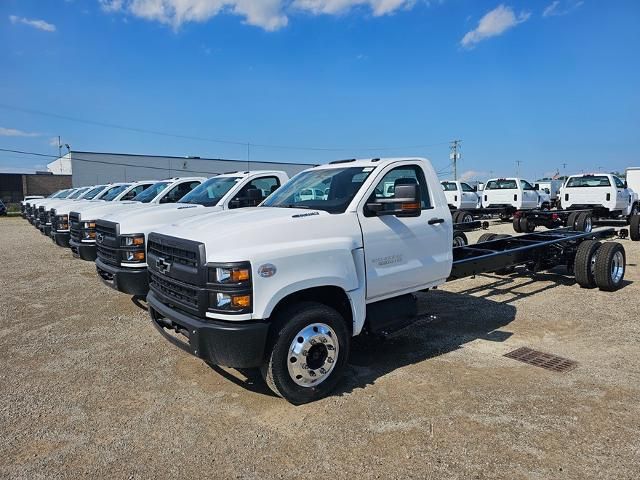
(93, 192)
(449, 187)
(590, 181)
(63, 193)
(330, 189)
(210, 192)
(78, 192)
(114, 192)
(501, 185)
(151, 192)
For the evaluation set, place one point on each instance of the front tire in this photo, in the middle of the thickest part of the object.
(634, 227)
(307, 353)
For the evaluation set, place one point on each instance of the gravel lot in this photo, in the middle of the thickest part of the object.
(88, 389)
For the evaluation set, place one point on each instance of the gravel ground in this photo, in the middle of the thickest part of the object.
(88, 389)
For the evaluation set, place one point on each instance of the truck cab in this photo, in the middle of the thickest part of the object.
(82, 229)
(122, 235)
(510, 194)
(606, 194)
(460, 195)
(283, 286)
(166, 191)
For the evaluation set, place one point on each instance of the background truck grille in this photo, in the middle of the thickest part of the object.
(107, 242)
(42, 215)
(173, 254)
(54, 220)
(74, 226)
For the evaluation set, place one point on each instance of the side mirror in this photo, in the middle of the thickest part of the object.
(405, 203)
(626, 185)
(475, 188)
(251, 198)
(537, 187)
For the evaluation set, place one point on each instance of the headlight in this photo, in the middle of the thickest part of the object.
(63, 222)
(133, 240)
(90, 225)
(231, 302)
(228, 274)
(89, 235)
(134, 256)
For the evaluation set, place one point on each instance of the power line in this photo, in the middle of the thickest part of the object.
(213, 140)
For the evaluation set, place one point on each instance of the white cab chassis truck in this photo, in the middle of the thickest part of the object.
(82, 220)
(29, 203)
(285, 286)
(510, 195)
(45, 210)
(122, 246)
(588, 200)
(461, 195)
(165, 191)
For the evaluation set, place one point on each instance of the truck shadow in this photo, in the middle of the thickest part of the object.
(448, 322)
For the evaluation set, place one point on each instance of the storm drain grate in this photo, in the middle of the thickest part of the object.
(541, 359)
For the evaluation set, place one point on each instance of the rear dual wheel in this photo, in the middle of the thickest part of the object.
(600, 265)
(462, 217)
(634, 227)
(459, 239)
(523, 225)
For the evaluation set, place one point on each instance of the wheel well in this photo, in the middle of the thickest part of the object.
(334, 297)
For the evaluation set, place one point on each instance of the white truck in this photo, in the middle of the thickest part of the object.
(43, 212)
(31, 206)
(461, 195)
(165, 191)
(550, 186)
(23, 203)
(510, 195)
(82, 228)
(121, 244)
(285, 286)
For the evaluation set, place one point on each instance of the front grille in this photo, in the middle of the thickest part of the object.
(54, 221)
(107, 242)
(185, 296)
(107, 255)
(42, 215)
(173, 254)
(74, 226)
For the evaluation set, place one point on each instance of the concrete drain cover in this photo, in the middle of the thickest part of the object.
(541, 359)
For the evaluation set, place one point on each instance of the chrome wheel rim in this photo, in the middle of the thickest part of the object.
(312, 355)
(467, 218)
(458, 242)
(617, 267)
(588, 225)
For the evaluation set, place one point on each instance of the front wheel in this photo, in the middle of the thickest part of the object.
(308, 352)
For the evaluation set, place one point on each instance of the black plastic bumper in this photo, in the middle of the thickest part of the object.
(230, 344)
(134, 281)
(61, 239)
(86, 251)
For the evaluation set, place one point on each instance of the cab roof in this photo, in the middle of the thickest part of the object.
(366, 162)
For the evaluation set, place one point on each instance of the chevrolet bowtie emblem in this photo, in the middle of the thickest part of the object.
(163, 266)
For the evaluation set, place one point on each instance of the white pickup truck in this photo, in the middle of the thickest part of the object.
(607, 195)
(43, 214)
(165, 191)
(28, 204)
(121, 236)
(82, 219)
(510, 194)
(461, 195)
(550, 186)
(286, 285)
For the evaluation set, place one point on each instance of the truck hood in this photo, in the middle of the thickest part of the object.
(256, 233)
(60, 204)
(100, 209)
(155, 216)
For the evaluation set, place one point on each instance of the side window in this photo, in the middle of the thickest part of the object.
(178, 192)
(399, 176)
(135, 191)
(265, 184)
(526, 185)
(466, 187)
(619, 183)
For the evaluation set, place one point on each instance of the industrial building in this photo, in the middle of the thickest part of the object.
(15, 186)
(90, 168)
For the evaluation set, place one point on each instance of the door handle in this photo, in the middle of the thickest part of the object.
(435, 221)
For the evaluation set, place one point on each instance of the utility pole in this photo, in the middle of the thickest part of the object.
(59, 147)
(518, 162)
(454, 156)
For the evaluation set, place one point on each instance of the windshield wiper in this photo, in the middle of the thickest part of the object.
(293, 205)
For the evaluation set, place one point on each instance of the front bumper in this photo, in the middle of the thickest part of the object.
(61, 239)
(86, 251)
(238, 344)
(134, 281)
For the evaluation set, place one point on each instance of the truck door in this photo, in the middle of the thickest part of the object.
(622, 195)
(529, 195)
(406, 253)
(469, 196)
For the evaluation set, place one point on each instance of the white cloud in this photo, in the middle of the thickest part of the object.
(268, 14)
(14, 132)
(53, 142)
(35, 23)
(557, 7)
(494, 23)
(472, 175)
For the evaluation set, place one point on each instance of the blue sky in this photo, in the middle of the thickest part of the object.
(543, 82)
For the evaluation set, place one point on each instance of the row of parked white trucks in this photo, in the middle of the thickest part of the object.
(250, 270)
